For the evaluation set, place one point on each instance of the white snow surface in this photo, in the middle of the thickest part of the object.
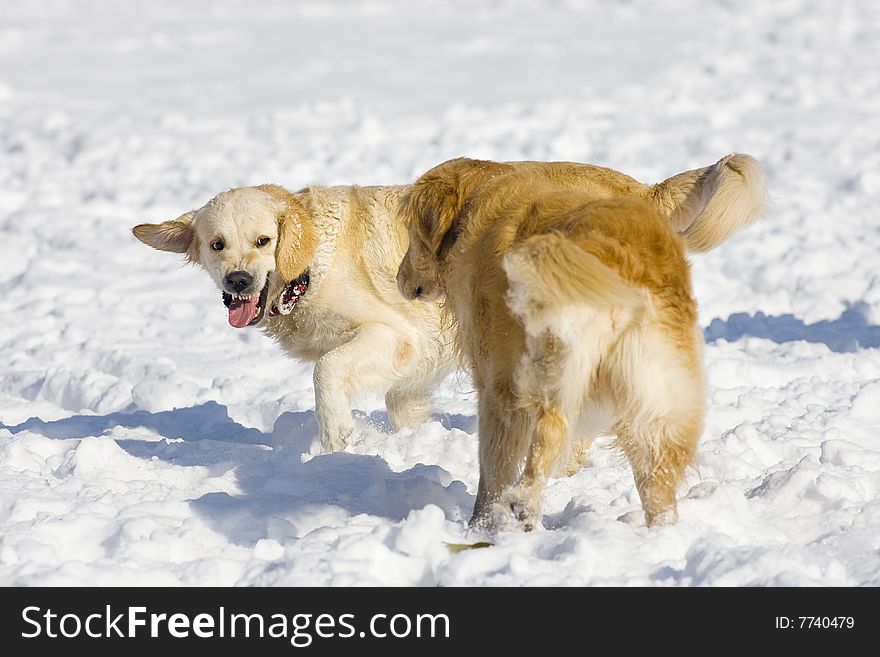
(145, 441)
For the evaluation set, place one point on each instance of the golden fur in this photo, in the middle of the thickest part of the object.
(352, 322)
(568, 297)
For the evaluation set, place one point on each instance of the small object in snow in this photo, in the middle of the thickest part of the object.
(461, 547)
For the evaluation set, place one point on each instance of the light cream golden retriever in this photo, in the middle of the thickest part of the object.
(569, 298)
(315, 270)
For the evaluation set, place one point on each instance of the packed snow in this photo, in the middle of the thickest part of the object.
(144, 441)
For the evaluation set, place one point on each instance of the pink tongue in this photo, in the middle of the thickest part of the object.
(242, 312)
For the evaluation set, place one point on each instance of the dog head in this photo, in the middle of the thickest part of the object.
(435, 213)
(246, 239)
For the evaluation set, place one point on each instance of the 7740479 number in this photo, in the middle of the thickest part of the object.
(815, 622)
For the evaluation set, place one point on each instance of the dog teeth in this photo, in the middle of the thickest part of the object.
(244, 297)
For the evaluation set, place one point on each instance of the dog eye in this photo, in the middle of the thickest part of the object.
(263, 241)
(218, 245)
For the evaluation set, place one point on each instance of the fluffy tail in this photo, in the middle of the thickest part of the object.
(706, 206)
(548, 273)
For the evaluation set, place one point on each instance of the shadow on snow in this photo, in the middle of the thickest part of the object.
(279, 496)
(850, 332)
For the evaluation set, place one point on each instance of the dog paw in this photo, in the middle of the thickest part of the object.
(524, 518)
(661, 518)
(336, 440)
(578, 458)
(516, 512)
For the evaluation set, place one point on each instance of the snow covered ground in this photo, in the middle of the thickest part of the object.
(144, 441)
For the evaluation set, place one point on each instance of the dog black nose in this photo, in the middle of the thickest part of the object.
(238, 280)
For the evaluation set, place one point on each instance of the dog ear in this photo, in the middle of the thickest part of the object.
(287, 246)
(433, 205)
(175, 236)
(297, 241)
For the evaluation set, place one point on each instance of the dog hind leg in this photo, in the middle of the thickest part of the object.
(658, 451)
(661, 418)
(407, 408)
(548, 444)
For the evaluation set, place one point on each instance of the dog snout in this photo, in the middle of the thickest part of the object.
(237, 281)
(407, 289)
(414, 291)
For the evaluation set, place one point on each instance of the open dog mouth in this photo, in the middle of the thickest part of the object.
(246, 310)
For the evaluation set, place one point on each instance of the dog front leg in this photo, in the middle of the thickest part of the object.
(362, 364)
(332, 407)
(503, 441)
